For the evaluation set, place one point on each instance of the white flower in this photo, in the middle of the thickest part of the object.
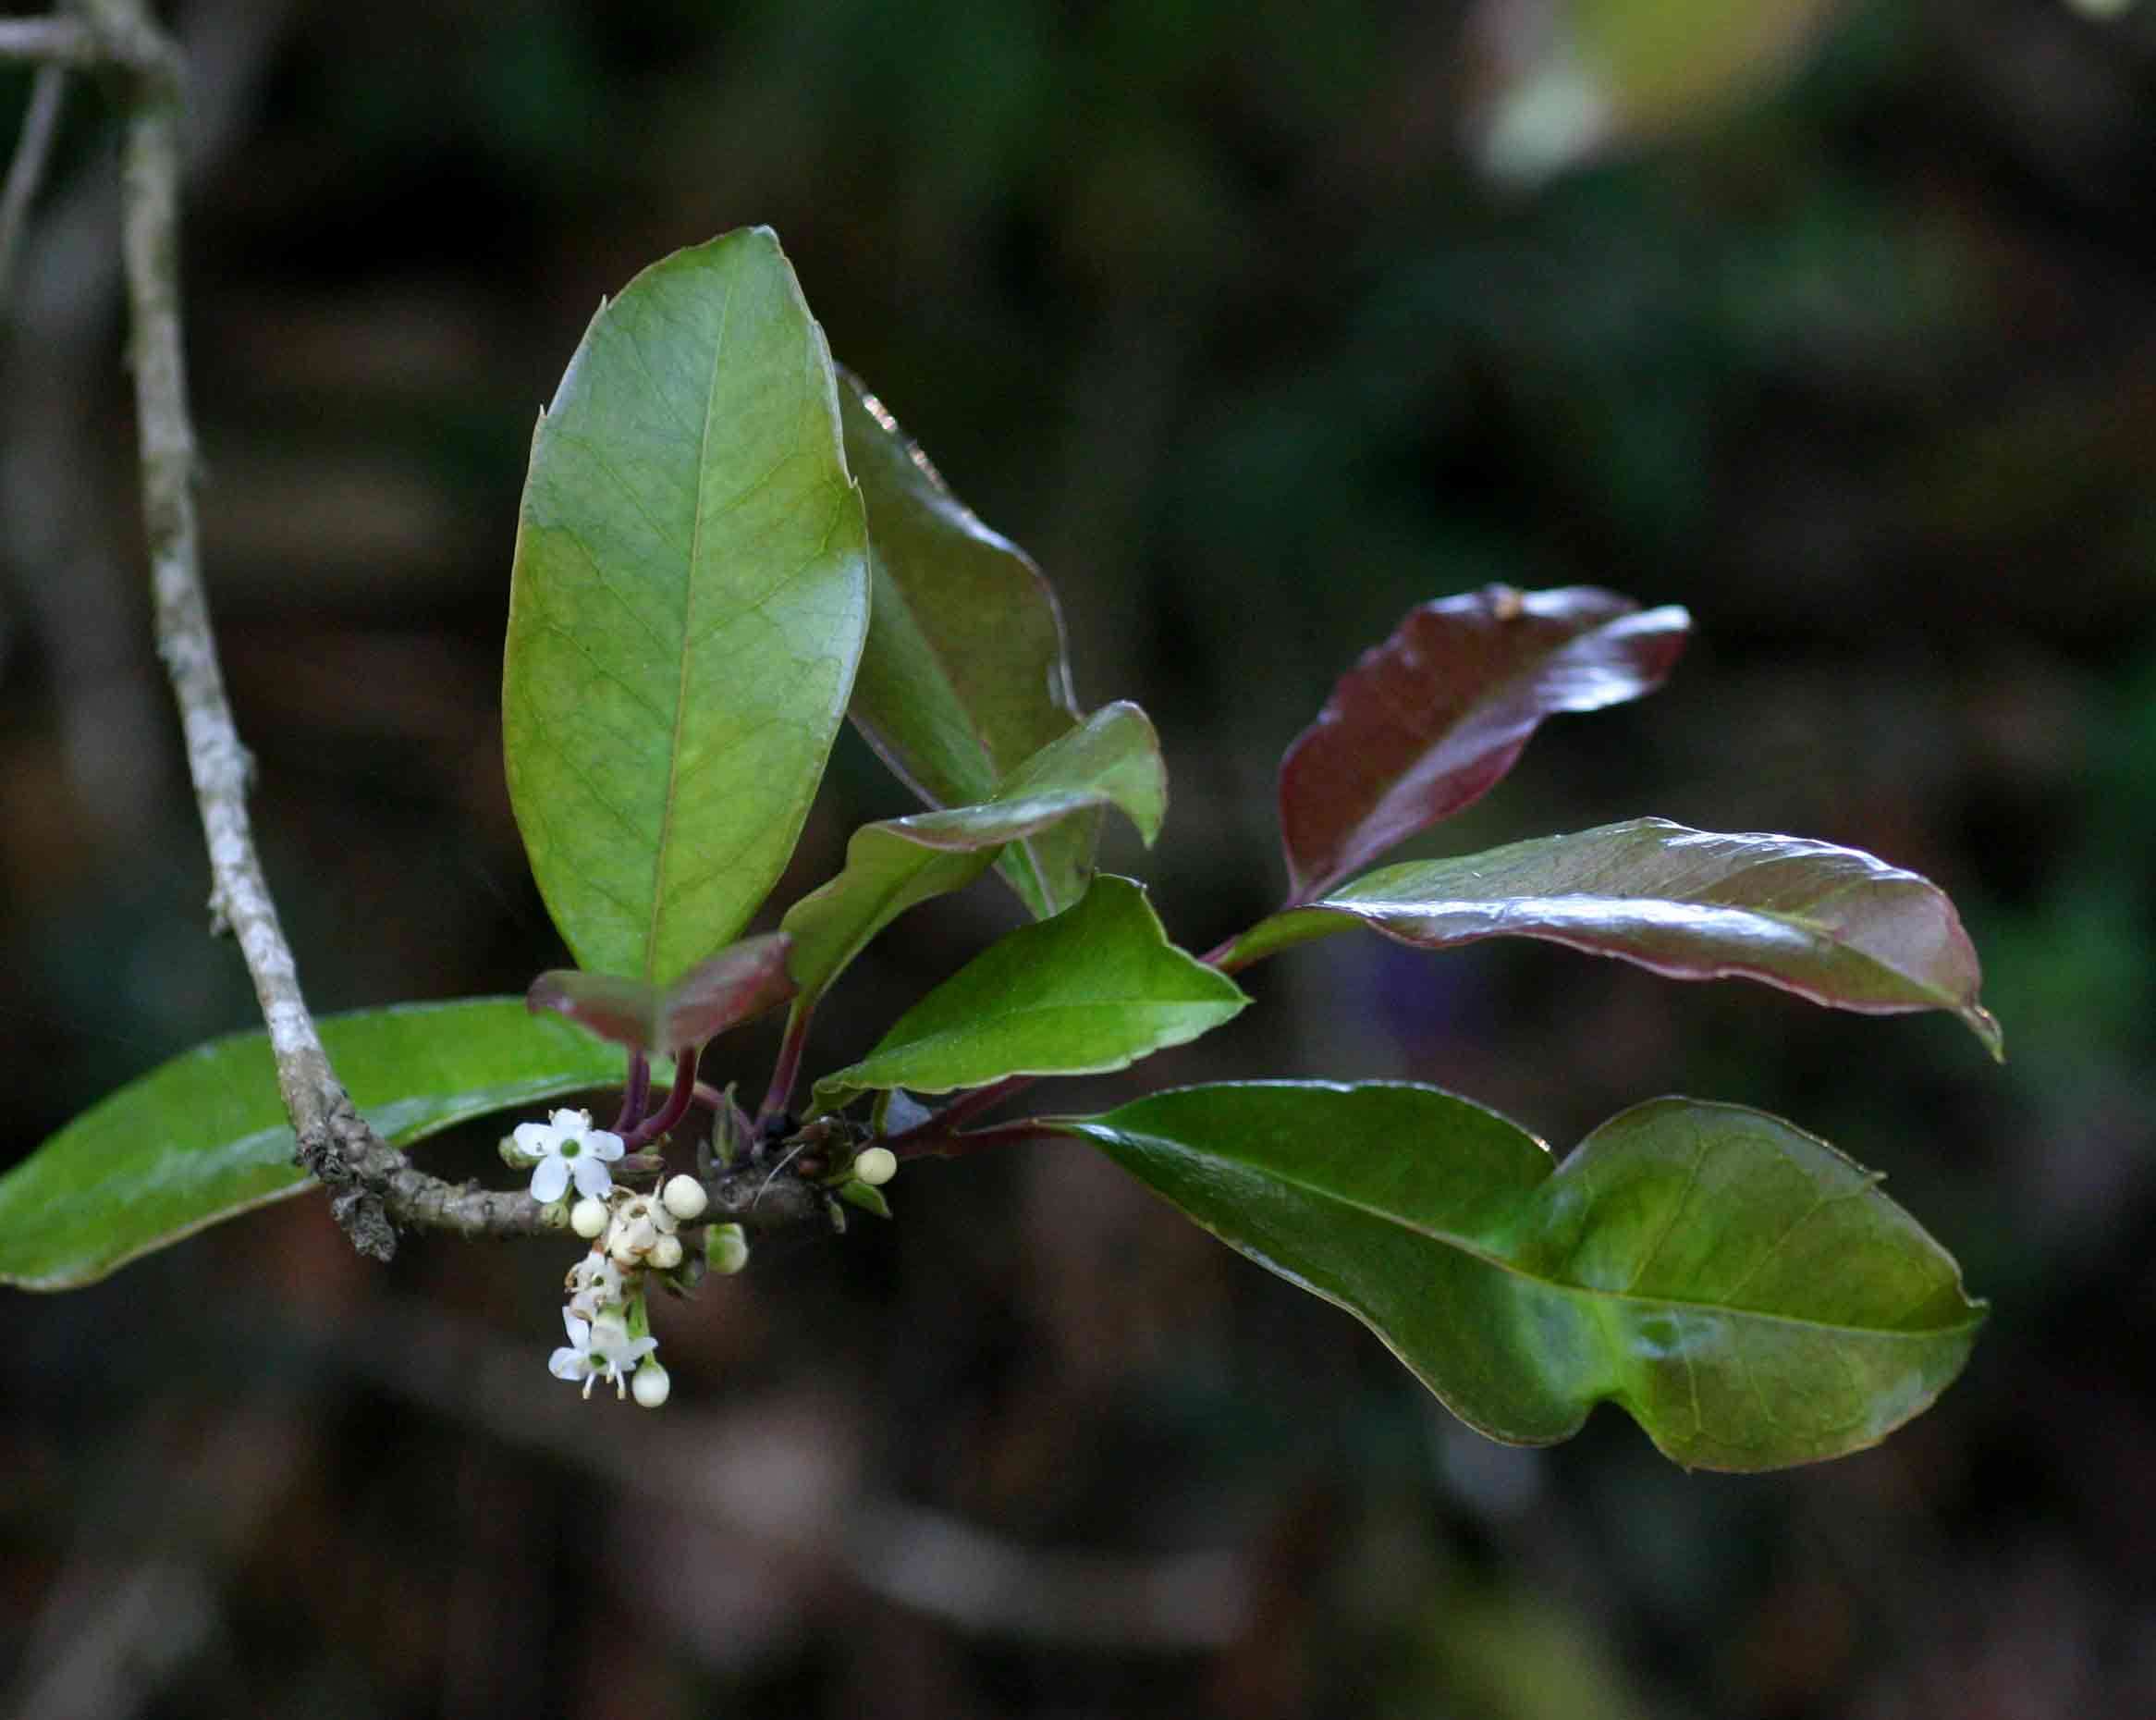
(599, 1349)
(595, 1284)
(639, 1223)
(564, 1147)
(651, 1386)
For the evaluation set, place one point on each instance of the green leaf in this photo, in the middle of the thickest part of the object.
(687, 608)
(1113, 761)
(964, 675)
(871, 1201)
(1834, 925)
(1428, 722)
(737, 985)
(1093, 990)
(1744, 1291)
(203, 1136)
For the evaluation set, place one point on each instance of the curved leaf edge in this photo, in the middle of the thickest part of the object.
(508, 1099)
(1316, 920)
(1089, 1127)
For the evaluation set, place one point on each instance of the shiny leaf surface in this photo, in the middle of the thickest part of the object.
(964, 676)
(1833, 925)
(1743, 1290)
(1429, 721)
(1093, 990)
(203, 1136)
(687, 608)
(1114, 759)
(735, 986)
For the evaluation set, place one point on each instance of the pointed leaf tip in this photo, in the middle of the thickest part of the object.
(1091, 991)
(203, 1136)
(1836, 926)
(1745, 1292)
(964, 675)
(688, 601)
(1113, 759)
(1429, 721)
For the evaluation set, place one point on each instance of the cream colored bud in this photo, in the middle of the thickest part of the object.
(727, 1248)
(651, 1386)
(876, 1166)
(588, 1218)
(685, 1198)
(666, 1253)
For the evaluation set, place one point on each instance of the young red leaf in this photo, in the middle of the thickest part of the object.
(625, 1011)
(738, 983)
(1429, 721)
(1834, 925)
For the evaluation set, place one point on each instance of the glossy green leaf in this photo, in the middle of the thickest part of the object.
(687, 608)
(1093, 990)
(1114, 759)
(1743, 1290)
(964, 675)
(1833, 925)
(1428, 722)
(203, 1136)
(735, 986)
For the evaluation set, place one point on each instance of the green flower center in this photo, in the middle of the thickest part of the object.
(569, 1150)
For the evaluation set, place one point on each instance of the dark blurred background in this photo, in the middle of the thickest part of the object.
(1258, 324)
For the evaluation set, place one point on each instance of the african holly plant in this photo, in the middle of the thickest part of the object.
(725, 546)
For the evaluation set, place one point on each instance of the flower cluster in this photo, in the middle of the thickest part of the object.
(631, 1235)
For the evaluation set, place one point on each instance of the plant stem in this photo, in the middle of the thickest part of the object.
(778, 1098)
(41, 122)
(654, 1126)
(634, 1093)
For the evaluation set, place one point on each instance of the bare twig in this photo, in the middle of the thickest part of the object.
(370, 1184)
(373, 1186)
(50, 41)
(41, 122)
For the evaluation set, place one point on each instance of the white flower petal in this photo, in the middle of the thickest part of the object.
(572, 1121)
(566, 1365)
(549, 1180)
(592, 1179)
(602, 1144)
(580, 1331)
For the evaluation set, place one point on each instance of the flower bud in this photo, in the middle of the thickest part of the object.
(876, 1166)
(727, 1248)
(685, 1198)
(666, 1253)
(651, 1386)
(588, 1218)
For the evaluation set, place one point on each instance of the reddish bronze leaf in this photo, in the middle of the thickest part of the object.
(1834, 925)
(1429, 721)
(737, 985)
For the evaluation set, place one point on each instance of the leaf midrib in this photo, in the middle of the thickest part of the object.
(1377, 911)
(658, 858)
(1477, 1252)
